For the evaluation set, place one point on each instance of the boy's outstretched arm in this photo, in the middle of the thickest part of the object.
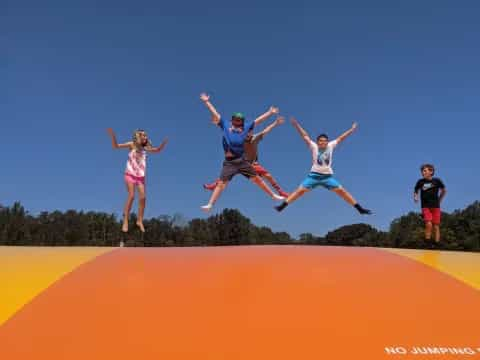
(347, 133)
(159, 148)
(272, 111)
(215, 115)
(443, 192)
(300, 130)
(416, 190)
(278, 121)
(115, 144)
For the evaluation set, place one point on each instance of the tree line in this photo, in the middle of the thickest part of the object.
(460, 230)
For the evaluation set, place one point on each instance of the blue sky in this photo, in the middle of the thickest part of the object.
(407, 72)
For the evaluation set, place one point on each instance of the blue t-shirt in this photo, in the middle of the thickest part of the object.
(233, 140)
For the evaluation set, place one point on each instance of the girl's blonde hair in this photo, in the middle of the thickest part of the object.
(136, 138)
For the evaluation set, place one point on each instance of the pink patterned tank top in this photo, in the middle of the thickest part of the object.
(136, 163)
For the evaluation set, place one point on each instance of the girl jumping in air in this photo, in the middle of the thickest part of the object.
(135, 171)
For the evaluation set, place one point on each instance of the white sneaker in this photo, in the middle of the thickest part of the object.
(207, 207)
(278, 197)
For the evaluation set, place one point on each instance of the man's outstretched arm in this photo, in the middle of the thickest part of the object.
(215, 115)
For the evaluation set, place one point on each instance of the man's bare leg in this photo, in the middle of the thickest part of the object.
(215, 195)
(257, 180)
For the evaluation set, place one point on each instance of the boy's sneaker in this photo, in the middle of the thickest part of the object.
(365, 212)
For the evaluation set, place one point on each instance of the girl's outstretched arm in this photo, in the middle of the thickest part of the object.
(115, 144)
(158, 148)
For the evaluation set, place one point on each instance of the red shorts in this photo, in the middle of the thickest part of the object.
(432, 215)
(259, 169)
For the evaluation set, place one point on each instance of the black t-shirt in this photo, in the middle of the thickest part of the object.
(429, 192)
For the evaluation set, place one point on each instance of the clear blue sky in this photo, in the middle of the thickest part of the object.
(406, 71)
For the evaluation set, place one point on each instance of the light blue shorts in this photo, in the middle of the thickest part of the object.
(327, 181)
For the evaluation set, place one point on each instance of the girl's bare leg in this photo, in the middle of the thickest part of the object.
(128, 205)
(141, 206)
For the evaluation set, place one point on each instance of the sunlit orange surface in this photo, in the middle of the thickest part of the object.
(270, 302)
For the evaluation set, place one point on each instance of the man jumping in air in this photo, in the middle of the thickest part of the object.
(235, 133)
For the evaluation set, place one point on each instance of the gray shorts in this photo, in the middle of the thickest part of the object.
(237, 166)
